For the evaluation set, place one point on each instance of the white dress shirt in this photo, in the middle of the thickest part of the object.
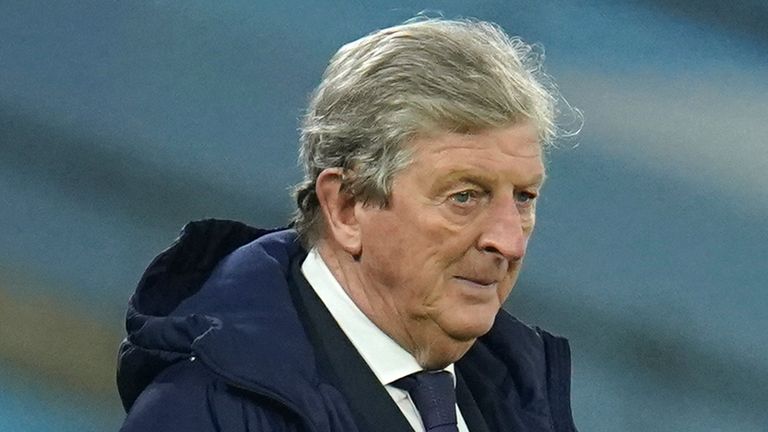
(388, 360)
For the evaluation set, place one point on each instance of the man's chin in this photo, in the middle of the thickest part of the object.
(468, 330)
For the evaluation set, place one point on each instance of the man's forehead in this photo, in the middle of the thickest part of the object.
(519, 141)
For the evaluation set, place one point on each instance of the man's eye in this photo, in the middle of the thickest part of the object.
(463, 197)
(524, 197)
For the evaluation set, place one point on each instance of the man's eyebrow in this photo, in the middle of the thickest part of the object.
(468, 176)
(472, 176)
(537, 181)
(484, 180)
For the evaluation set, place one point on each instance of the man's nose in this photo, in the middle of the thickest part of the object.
(503, 233)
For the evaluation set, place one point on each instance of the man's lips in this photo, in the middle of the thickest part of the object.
(479, 281)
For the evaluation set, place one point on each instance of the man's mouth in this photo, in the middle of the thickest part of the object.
(480, 282)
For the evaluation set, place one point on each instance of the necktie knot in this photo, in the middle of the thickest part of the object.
(434, 395)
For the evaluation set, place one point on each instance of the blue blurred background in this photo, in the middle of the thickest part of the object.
(122, 120)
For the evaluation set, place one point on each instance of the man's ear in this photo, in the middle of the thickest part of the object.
(338, 208)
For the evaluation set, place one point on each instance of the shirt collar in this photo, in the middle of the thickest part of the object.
(388, 360)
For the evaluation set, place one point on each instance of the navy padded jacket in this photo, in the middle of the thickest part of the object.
(215, 344)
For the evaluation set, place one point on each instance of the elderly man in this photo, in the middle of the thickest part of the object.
(380, 310)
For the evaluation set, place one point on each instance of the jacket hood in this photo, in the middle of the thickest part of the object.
(200, 298)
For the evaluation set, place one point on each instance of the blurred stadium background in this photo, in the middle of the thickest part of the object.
(122, 120)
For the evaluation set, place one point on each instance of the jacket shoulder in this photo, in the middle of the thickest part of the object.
(188, 397)
(520, 377)
(558, 375)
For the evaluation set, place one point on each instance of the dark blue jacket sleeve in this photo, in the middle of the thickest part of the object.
(187, 397)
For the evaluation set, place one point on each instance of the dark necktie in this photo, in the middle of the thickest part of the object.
(434, 395)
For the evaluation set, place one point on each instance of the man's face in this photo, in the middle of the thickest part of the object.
(444, 255)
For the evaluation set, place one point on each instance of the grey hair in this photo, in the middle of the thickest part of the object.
(416, 79)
